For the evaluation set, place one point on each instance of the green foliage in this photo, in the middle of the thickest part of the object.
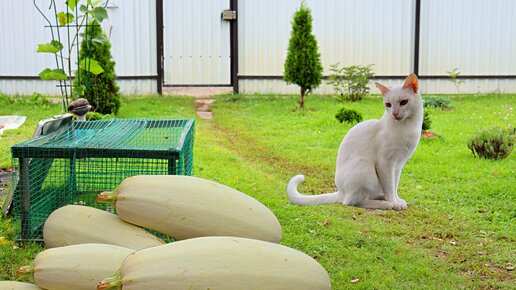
(350, 83)
(94, 116)
(100, 89)
(458, 230)
(493, 94)
(348, 115)
(53, 47)
(35, 99)
(437, 102)
(427, 122)
(454, 78)
(460, 214)
(13, 255)
(303, 64)
(63, 73)
(495, 143)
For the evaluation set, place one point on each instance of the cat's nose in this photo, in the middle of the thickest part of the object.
(395, 114)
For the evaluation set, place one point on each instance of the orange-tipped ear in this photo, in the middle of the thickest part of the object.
(411, 82)
(382, 88)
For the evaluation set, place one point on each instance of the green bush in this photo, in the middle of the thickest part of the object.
(350, 83)
(348, 115)
(427, 122)
(437, 102)
(101, 90)
(303, 63)
(35, 99)
(93, 116)
(495, 143)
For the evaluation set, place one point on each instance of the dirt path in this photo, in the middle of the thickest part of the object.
(5, 177)
(203, 108)
(203, 97)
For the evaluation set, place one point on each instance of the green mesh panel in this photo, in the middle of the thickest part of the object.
(81, 159)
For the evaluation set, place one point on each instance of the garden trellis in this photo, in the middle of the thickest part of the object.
(72, 20)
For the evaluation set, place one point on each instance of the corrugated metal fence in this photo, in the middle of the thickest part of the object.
(431, 37)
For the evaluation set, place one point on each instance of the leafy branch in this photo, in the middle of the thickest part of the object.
(94, 10)
(454, 78)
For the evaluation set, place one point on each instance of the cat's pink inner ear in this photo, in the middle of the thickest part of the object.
(382, 88)
(411, 82)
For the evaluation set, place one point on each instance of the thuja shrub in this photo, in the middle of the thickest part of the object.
(303, 63)
(495, 143)
(348, 116)
(101, 90)
(427, 122)
(437, 102)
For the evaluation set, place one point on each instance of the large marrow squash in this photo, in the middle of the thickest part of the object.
(219, 263)
(15, 285)
(78, 267)
(77, 224)
(186, 207)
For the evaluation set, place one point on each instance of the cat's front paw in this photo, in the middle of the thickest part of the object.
(400, 204)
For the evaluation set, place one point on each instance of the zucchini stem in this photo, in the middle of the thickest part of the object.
(107, 197)
(25, 270)
(113, 282)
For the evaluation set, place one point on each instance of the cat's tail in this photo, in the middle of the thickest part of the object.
(301, 199)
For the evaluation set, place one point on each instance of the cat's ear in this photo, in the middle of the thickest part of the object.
(411, 82)
(382, 88)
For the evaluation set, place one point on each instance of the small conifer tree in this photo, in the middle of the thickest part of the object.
(100, 90)
(303, 64)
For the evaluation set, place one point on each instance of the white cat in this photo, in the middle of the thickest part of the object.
(373, 153)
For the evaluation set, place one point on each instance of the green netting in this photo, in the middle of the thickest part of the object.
(81, 159)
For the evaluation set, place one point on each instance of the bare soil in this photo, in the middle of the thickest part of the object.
(5, 177)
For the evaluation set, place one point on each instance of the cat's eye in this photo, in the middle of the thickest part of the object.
(388, 105)
(404, 102)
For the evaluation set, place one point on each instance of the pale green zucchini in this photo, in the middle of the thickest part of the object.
(78, 267)
(15, 285)
(187, 207)
(77, 224)
(226, 263)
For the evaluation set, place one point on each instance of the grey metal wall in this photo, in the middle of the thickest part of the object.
(196, 43)
(20, 31)
(476, 36)
(131, 28)
(132, 31)
(348, 31)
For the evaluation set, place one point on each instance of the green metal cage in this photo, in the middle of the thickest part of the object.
(83, 158)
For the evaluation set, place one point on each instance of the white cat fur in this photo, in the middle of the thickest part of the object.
(373, 153)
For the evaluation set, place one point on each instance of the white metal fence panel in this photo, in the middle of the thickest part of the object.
(196, 43)
(22, 30)
(427, 86)
(477, 37)
(348, 32)
(131, 28)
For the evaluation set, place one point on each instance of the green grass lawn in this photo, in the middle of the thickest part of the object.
(458, 230)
